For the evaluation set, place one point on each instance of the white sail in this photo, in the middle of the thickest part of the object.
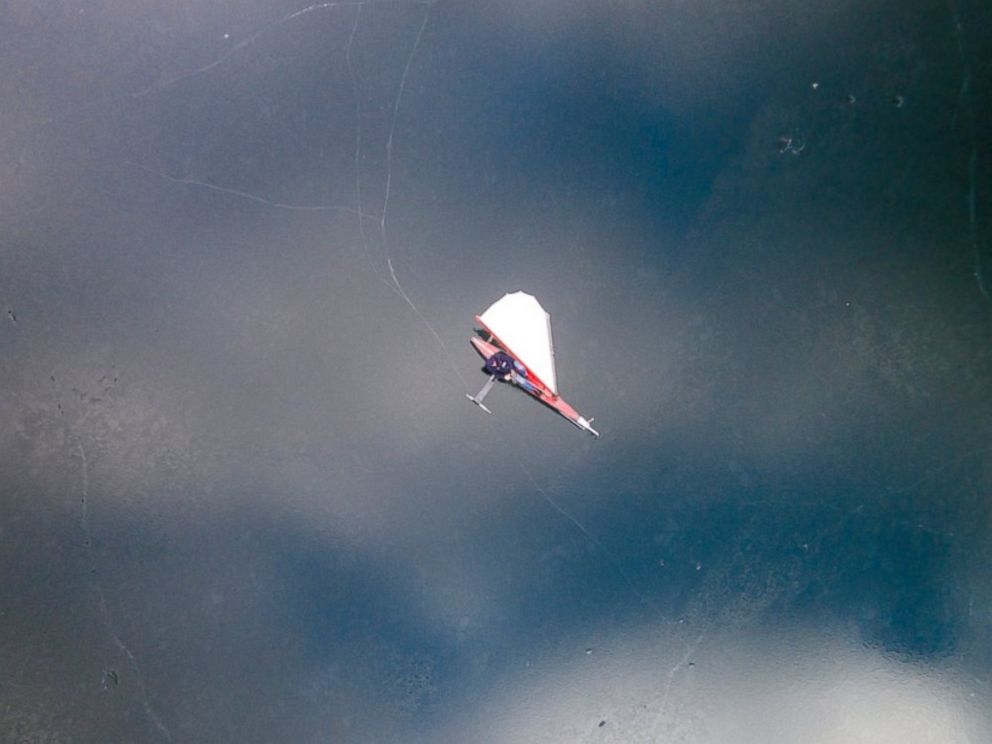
(520, 323)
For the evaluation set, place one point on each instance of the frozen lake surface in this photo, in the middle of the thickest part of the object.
(244, 499)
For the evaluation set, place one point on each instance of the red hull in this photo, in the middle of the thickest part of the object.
(541, 391)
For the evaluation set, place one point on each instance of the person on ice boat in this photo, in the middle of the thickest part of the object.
(516, 346)
(504, 367)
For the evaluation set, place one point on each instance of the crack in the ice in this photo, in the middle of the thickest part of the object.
(674, 670)
(385, 202)
(102, 599)
(613, 560)
(964, 100)
(250, 39)
(249, 196)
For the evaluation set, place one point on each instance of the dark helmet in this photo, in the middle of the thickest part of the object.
(499, 364)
